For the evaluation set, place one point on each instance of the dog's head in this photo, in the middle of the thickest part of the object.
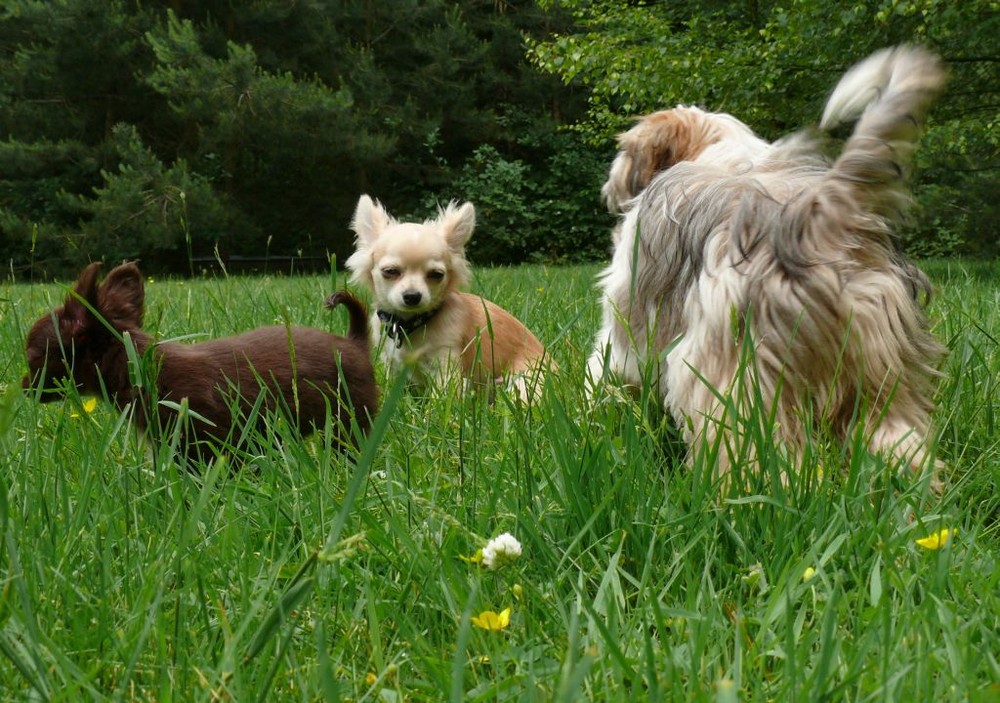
(410, 267)
(665, 138)
(66, 345)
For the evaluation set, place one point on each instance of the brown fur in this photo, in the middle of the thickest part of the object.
(300, 370)
(668, 137)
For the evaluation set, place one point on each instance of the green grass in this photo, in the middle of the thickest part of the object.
(308, 577)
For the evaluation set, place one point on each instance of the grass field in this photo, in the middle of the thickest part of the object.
(307, 577)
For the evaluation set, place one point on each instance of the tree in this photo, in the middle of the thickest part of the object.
(773, 65)
(185, 128)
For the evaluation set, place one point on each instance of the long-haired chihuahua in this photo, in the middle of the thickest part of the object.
(415, 272)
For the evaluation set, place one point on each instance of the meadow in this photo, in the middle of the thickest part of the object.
(305, 574)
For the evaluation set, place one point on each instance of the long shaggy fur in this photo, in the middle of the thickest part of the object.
(787, 255)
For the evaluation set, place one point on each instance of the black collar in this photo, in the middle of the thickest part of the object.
(399, 327)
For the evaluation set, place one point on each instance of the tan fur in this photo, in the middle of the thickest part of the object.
(773, 281)
(416, 268)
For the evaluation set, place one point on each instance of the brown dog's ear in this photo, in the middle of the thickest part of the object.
(75, 314)
(657, 142)
(122, 296)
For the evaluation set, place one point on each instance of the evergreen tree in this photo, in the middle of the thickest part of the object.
(189, 128)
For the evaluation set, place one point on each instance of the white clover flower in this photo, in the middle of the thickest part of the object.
(501, 550)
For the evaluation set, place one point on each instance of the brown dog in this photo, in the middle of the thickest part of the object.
(298, 370)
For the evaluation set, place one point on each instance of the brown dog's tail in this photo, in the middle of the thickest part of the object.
(358, 330)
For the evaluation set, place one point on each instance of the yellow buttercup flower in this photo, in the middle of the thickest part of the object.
(938, 539)
(371, 678)
(494, 622)
(88, 406)
(808, 574)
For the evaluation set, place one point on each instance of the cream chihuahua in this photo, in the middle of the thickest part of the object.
(415, 272)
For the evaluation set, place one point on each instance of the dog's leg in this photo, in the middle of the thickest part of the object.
(905, 440)
(612, 359)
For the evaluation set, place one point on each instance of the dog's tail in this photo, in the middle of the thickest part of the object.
(358, 330)
(889, 93)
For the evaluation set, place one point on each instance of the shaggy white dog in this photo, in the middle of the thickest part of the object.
(753, 274)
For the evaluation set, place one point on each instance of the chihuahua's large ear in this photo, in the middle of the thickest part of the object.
(370, 220)
(122, 296)
(75, 311)
(457, 224)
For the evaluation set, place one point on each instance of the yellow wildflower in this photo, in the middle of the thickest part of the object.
(88, 406)
(476, 558)
(371, 678)
(494, 622)
(808, 574)
(938, 539)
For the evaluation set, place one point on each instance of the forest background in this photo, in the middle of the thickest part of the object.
(183, 132)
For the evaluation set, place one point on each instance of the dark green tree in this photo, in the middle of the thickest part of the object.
(186, 129)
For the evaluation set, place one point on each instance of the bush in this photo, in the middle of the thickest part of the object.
(549, 214)
(146, 209)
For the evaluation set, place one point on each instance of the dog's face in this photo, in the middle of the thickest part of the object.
(65, 345)
(410, 267)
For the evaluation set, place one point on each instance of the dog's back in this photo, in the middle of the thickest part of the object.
(301, 370)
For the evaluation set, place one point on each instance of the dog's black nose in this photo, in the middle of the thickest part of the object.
(411, 298)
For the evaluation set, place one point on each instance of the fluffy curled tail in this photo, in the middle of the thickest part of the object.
(889, 93)
(358, 330)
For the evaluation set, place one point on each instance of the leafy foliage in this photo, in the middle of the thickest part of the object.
(149, 211)
(270, 117)
(543, 211)
(772, 65)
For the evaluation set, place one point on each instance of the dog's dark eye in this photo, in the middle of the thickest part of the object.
(390, 273)
(435, 276)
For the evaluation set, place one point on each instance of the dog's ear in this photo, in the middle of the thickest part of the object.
(457, 224)
(659, 141)
(75, 314)
(370, 220)
(122, 296)
(619, 187)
